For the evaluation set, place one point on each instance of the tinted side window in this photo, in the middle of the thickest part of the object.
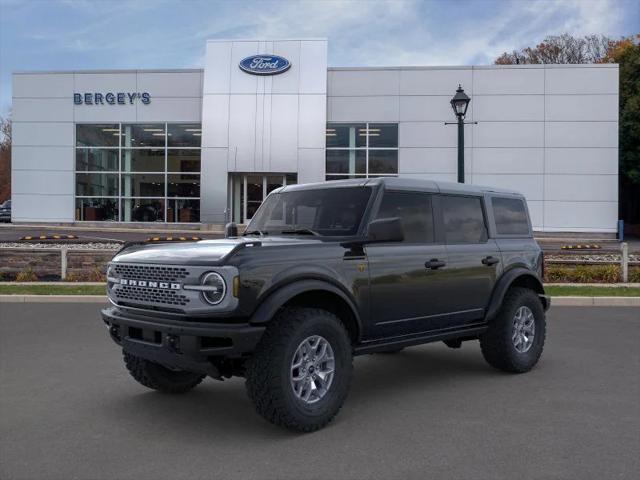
(415, 212)
(463, 219)
(510, 215)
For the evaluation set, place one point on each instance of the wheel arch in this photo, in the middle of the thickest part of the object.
(311, 293)
(516, 277)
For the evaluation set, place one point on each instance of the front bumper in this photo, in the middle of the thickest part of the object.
(180, 344)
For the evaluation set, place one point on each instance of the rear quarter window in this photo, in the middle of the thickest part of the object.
(510, 215)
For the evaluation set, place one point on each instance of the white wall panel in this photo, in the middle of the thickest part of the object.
(43, 182)
(215, 121)
(428, 108)
(513, 135)
(581, 134)
(105, 113)
(508, 80)
(217, 78)
(284, 126)
(364, 82)
(431, 134)
(581, 80)
(531, 186)
(515, 108)
(580, 216)
(312, 119)
(28, 208)
(242, 135)
(536, 212)
(595, 161)
(170, 84)
(289, 81)
(435, 81)
(581, 108)
(42, 110)
(313, 67)
(42, 158)
(177, 109)
(105, 82)
(42, 85)
(241, 82)
(430, 160)
(581, 187)
(359, 109)
(311, 165)
(508, 160)
(213, 194)
(42, 134)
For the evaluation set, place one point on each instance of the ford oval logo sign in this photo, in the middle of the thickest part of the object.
(265, 64)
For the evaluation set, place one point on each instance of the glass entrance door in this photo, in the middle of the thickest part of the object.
(248, 191)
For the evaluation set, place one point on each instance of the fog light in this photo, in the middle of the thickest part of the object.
(216, 288)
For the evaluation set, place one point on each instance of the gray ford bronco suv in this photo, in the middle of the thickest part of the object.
(324, 272)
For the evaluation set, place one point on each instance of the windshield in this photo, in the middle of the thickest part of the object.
(326, 212)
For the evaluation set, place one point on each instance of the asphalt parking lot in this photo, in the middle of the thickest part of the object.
(68, 410)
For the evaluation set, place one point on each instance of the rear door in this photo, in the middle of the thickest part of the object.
(406, 287)
(474, 260)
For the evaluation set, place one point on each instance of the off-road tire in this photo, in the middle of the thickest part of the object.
(268, 374)
(496, 344)
(157, 377)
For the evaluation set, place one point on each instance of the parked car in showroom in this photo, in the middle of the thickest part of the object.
(5, 211)
(324, 272)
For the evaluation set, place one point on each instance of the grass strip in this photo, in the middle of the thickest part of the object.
(52, 289)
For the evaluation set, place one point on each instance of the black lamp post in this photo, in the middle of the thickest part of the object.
(460, 103)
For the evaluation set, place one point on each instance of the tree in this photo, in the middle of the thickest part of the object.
(563, 48)
(5, 159)
(600, 49)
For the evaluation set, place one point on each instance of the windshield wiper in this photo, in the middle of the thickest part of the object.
(255, 232)
(300, 231)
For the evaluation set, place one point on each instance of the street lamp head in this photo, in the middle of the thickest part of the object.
(460, 102)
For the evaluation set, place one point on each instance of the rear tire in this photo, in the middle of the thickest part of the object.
(515, 338)
(317, 341)
(156, 377)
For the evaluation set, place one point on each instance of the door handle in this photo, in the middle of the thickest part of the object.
(488, 261)
(434, 264)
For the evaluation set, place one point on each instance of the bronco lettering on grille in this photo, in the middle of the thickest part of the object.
(150, 284)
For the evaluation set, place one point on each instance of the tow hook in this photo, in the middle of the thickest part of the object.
(173, 343)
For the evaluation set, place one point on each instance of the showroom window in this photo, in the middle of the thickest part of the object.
(361, 150)
(138, 172)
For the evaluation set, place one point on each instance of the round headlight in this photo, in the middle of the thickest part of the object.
(215, 288)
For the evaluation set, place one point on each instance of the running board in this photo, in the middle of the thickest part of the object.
(417, 339)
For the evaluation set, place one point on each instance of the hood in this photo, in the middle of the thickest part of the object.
(204, 252)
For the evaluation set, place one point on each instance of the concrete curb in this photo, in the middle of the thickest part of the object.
(595, 301)
(555, 301)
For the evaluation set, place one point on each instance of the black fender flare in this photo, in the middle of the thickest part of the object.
(503, 284)
(281, 295)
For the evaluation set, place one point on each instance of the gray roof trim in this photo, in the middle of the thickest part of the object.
(67, 72)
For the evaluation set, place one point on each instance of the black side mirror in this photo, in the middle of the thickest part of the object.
(385, 230)
(230, 230)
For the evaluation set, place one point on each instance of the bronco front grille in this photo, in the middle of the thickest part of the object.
(151, 272)
(133, 294)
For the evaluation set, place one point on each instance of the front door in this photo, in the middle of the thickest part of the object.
(407, 287)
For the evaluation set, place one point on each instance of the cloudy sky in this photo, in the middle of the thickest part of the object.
(103, 34)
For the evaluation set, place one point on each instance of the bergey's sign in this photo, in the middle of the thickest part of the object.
(110, 98)
(265, 64)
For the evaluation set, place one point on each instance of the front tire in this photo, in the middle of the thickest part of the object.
(156, 377)
(301, 370)
(515, 338)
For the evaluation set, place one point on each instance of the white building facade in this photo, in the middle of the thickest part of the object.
(189, 146)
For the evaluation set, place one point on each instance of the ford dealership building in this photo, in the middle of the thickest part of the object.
(207, 145)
